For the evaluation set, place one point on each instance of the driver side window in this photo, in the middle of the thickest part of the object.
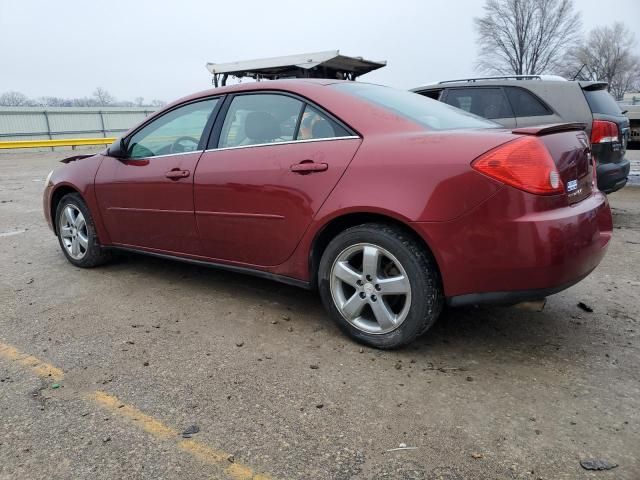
(178, 131)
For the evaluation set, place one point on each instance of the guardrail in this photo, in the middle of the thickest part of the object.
(61, 142)
(65, 126)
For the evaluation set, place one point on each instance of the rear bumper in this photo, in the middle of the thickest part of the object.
(518, 246)
(612, 176)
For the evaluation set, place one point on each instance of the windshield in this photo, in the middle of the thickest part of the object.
(424, 111)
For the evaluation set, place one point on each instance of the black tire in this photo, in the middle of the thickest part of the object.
(94, 254)
(424, 279)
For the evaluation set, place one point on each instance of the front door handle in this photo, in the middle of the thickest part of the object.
(308, 166)
(176, 173)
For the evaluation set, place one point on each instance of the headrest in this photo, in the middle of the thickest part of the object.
(322, 129)
(261, 127)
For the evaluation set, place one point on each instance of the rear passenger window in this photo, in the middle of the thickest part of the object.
(260, 118)
(485, 102)
(525, 104)
(315, 125)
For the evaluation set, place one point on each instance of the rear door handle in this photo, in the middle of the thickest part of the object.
(176, 173)
(307, 166)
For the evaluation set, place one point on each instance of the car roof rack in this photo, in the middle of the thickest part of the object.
(506, 77)
(328, 64)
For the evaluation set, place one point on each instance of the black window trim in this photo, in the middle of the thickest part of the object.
(206, 131)
(214, 137)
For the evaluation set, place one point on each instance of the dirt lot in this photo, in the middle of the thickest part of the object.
(101, 370)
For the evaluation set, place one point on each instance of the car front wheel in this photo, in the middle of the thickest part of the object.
(380, 285)
(77, 233)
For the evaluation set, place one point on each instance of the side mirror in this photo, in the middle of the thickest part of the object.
(117, 149)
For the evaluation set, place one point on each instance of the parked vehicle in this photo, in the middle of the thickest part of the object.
(387, 202)
(529, 100)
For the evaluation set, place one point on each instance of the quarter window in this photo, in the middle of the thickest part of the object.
(526, 104)
(485, 102)
(178, 131)
(316, 125)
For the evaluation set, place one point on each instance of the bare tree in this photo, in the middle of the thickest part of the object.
(14, 99)
(52, 102)
(158, 103)
(139, 101)
(607, 55)
(525, 37)
(103, 97)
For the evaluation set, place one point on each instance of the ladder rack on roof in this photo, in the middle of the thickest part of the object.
(329, 64)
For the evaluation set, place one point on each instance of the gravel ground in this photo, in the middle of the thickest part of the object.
(275, 388)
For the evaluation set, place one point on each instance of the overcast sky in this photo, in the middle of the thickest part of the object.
(157, 49)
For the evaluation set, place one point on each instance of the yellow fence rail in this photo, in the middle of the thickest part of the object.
(59, 142)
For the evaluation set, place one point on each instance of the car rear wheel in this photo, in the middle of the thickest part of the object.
(380, 285)
(77, 233)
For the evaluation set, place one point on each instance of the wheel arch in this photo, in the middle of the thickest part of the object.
(59, 192)
(342, 222)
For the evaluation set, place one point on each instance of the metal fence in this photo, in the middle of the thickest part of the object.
(37, 123)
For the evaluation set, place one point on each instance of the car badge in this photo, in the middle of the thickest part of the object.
(572, 185)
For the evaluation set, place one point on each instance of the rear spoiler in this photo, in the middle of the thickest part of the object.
(551, 128)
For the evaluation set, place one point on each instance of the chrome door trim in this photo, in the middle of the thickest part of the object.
(349, 137)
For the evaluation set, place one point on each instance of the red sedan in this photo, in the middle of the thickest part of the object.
(387, 202)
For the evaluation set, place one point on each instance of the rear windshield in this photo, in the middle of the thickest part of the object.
(601, 101)
(424, 111)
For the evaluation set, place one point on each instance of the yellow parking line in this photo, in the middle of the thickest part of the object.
(202, 452)
(236, 471)
(149, 424)
(41, 369)
(198, 450)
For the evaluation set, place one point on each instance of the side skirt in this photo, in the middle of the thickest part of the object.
(222, 266)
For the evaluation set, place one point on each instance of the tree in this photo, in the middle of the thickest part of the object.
(139, 101)
(103, 97)
(158, 103)
(525, 37)
(607, 55)
(52, 102)
(14, 99)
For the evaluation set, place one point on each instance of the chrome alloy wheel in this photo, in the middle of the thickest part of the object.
(73, 232)
(370, 288)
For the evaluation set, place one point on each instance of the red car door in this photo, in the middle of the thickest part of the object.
(146, 198)
(276, 161)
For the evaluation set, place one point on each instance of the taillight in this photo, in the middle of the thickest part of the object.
(603, 131)
(524, 163)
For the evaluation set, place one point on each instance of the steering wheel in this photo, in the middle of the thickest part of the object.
(178, 147)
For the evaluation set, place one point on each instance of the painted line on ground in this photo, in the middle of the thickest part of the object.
(40, 368)
(195, 448)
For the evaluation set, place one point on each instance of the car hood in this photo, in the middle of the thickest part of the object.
(76, 157)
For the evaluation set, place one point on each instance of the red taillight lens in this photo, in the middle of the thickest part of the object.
(524, 163)
(603, 131)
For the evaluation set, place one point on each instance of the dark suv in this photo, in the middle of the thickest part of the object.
(523, 101)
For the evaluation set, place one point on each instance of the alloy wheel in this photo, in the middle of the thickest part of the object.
(370, 288)
(73, 232)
